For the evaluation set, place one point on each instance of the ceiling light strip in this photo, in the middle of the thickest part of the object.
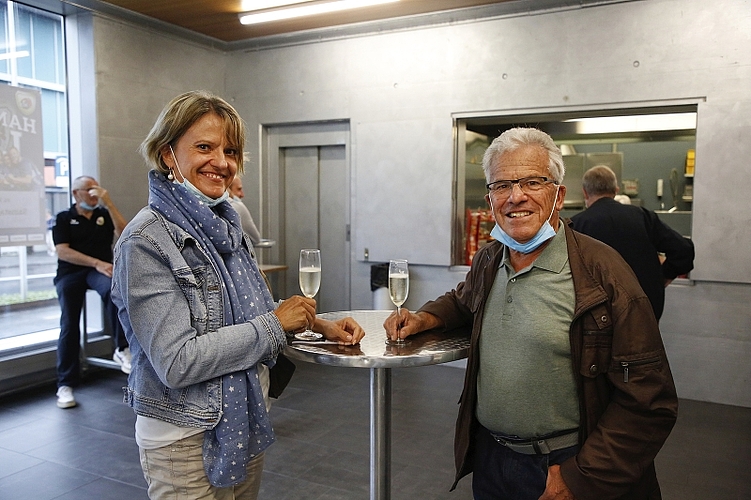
(635, 123)
(307, 10)
(249, 6)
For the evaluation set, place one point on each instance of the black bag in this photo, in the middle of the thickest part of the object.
(279, 375)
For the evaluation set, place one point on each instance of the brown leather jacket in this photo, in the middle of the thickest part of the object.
(627, 399)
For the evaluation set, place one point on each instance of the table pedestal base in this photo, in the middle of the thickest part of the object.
(427, 348)
(380, 433)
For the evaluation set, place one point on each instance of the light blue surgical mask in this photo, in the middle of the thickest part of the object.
(86, 206)
(212, 202)
(545, 233)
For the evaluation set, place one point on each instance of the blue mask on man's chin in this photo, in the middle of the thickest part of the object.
(86, 206)
(545, 233)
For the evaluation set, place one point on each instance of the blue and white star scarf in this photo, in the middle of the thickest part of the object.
(244, 429)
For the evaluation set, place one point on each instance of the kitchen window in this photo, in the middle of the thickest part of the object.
(652, 149)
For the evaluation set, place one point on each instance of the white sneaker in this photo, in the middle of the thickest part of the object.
(122, 357)
(65, 397)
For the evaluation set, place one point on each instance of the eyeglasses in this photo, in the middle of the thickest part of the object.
(528, 185)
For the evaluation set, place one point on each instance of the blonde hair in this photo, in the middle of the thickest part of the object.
(180, 114)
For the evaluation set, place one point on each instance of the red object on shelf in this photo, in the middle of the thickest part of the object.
(478, 226)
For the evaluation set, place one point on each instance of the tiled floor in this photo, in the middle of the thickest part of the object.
(322, 426)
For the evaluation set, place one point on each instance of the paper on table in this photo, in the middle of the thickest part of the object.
(314, 342)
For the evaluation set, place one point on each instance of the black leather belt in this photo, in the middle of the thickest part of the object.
(539, 446)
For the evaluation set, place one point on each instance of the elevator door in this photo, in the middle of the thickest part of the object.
(314, 180)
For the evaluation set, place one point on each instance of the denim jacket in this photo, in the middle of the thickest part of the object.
(169, 298)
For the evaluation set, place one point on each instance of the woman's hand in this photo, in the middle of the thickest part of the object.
(297, 313)
(345, 331)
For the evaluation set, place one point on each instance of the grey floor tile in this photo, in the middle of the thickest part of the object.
(10, 418)
(105, 489)
(96, 452)
(707, 455)
(13, 462)
(282, 487)
(35, 433)
(322, 423)
(43, 482)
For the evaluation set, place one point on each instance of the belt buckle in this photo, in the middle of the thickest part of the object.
(527, 448)
(536, 446)
(541, 447)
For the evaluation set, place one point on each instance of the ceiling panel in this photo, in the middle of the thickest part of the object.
(219, 19)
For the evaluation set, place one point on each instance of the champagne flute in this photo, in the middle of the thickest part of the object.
(398, 290)
(310, 282)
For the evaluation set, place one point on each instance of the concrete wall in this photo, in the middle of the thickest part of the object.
(137, 72)
(399, 90)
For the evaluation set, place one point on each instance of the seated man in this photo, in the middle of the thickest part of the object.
(83, 237)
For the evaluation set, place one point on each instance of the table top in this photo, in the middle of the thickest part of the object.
(265, 244)
(426, 348)
(272, 268)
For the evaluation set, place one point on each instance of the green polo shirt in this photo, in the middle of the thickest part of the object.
(525, 386)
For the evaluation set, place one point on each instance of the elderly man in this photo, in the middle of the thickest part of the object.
(568, 393)
(83, 237)
(636, 233)
(236, 195)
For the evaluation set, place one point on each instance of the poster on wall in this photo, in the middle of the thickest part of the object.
(22, 202)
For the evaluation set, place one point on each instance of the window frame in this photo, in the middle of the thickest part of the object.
(558, 123)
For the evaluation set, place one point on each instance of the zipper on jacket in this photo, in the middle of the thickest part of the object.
(627, 364)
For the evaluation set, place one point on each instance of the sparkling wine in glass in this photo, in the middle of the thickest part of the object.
(310, 282)
(398, 289)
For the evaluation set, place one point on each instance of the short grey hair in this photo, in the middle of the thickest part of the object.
(600, 180)
(81, 182)
(514, 138)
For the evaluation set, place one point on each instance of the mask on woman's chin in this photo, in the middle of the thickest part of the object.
(212, 202)
(543, 234)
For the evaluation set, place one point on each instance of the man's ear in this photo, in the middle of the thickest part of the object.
(561, 195)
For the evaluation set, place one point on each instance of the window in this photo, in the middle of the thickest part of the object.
(651, 149)
(32, 56)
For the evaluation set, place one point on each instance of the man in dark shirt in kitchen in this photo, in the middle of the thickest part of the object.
(636, 233)
(83, 237)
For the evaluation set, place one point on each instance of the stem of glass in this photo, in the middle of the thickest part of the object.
(399, 317)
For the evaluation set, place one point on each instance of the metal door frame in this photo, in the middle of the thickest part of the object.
(275, 137)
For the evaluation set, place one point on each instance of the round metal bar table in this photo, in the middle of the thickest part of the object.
(426, 348)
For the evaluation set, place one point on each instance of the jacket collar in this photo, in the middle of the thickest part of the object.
(588, 289)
